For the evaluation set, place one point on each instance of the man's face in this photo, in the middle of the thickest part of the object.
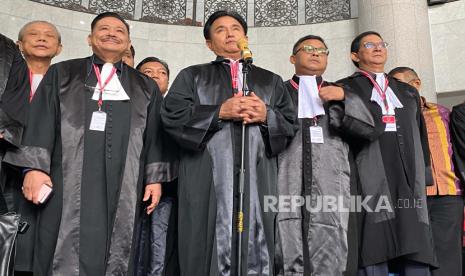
(371, 52)
(40, 40)
(158, 73)
(224, 34)
(310, 60)
(109, 36)
(128, 58)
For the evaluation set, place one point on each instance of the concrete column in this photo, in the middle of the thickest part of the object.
(404, 24)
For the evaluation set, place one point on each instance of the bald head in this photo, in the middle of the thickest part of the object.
(24, 29)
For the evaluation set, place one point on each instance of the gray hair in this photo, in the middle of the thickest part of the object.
(23, 29)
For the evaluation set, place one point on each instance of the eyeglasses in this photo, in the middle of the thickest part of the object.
(372, 45)
(105, 90)
(311, 50)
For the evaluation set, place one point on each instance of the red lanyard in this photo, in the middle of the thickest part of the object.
(234, 75)
(296, 86)
(31, 93)
(380, 91)
(99, 82)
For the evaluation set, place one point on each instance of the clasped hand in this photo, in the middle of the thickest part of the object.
(249, 109)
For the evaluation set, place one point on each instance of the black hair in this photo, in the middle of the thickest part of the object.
(307, 37)
(133, 51)
(222, 13)
(108, 14)
(355, 45)
(154, 59)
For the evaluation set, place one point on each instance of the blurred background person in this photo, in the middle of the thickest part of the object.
(158, 70)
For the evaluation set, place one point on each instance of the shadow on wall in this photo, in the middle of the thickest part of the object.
(450, 99)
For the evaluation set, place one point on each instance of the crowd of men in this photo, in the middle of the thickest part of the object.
(115, 174)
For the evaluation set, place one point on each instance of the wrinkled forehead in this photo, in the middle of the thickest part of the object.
(313, 42)
(153, 65)
(371, 38)
(111, 21)
(41, 26)
(225, 21)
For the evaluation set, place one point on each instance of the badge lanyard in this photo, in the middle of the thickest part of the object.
(381, 92)
(235, 76)
(102, 86)
(31, 93)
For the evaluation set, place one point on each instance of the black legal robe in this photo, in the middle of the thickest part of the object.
(390, 165)
(13, 79)
(210, 163)
(318, 242)
(87, 226)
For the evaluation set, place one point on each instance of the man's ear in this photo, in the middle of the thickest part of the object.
(292, 59)
(209, 44)
(20, 45)
(354, 57)
(60, 47)
(89, 39)
(417, 84)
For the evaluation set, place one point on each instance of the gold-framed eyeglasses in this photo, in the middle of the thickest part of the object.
(312, 50)
(372, 45)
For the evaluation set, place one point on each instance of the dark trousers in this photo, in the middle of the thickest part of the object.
(446, 218)
(407, 268)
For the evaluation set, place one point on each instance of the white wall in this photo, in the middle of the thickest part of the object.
(448, 39)
(182, 46)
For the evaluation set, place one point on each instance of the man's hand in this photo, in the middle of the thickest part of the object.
(253, 109)
(231, 109)
(332, 93)
(152, 191)
(33, 181)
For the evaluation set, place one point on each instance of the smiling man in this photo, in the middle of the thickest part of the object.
(204, 112)
(93, 136)
(382, 117)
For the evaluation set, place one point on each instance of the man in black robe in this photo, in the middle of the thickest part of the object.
(93, 135)
(315, 166)
(13, 72)
(204, 112)
(39, 42)
(388, 143)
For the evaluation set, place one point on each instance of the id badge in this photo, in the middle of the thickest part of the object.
(98, 121)
(390, 121)
(316, 135)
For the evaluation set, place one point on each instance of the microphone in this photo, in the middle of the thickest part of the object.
(243, 45)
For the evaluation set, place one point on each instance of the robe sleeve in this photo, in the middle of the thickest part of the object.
(429, 181)
(457, 131)
(41, 128)
(280, 125)
(191, 125)
(352, 118)
(160, 153)
(15, 99)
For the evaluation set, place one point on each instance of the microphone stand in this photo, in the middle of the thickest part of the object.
(240, 212)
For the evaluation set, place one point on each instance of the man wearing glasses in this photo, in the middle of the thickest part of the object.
(390, 155)
(445, 194)
(93, 136)
(315, 165)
